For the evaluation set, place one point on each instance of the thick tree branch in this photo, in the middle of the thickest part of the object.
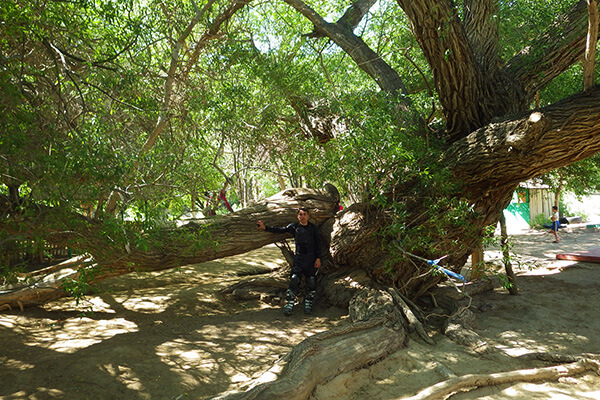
(552, 53)
(505, 153)
(472, 381)
(197, 242)
(589, 61)
(366, 59)
(459, 83)
(481, 27)
(322, 357)
(355, 13)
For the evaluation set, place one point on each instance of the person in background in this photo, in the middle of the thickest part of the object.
(555, 224)
(307, 259)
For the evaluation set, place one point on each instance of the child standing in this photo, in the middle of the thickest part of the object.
(555, 224)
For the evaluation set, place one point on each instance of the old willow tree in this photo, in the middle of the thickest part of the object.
(429, 112)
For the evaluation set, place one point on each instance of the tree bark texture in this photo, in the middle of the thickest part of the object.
(321, 358)
(377, 329)
(472, 381)
(481, 28)
(493, 160)
(458, 81)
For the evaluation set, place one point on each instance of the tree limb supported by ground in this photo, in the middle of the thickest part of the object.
(195, 242)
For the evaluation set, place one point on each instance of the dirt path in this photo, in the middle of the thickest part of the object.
(166, 336)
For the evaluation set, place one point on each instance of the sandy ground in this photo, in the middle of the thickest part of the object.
(167, 336)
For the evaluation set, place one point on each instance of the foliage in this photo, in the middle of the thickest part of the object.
(539, 221)
(86, 83)
(518, 28)
(580, 178)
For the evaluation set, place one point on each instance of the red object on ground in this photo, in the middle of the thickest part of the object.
(592, 255)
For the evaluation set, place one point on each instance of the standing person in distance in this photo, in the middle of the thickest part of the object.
(555, 224)
(307, 259)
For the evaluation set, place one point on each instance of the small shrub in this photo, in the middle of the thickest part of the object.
(539, 221)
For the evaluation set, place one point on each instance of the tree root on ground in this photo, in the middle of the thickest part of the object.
(413, 321)
(323, 357)
(377, 330)
(442, 390)
(458, 317)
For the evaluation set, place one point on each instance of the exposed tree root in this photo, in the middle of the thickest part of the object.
(377, 330)
(413, 321)
(459, 318)
(322, 357)
(473, 381)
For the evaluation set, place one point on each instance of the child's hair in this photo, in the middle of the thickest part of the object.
(303, 209)
(555, 208)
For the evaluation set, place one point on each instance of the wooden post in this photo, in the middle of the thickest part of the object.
(511, 285)
(477, 263)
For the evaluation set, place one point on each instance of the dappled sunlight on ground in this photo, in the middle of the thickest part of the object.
(127, 377)
(152, 335)
(67, 335)
(556, 311)
(166, 335)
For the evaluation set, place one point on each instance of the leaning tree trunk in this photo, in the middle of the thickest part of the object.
(196, 242)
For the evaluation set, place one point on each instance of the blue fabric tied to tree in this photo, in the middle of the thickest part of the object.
(449, 273)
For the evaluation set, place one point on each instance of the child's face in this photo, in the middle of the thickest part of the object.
(303, 217)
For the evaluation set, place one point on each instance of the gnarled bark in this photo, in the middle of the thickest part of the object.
(458, 81)
(322, 357)
(377, 330)
(493, 160)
